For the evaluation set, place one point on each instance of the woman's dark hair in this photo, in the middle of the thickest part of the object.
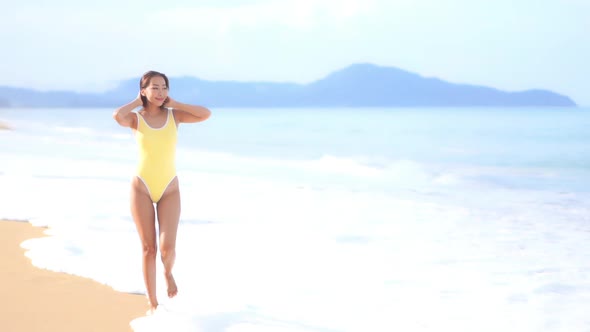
(144, 82)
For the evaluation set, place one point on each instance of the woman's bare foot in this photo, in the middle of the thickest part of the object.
(172, 289)
(152, 308)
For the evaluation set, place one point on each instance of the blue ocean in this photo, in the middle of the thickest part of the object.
(326, 220)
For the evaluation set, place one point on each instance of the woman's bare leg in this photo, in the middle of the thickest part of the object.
(168, 217)
(142, 210)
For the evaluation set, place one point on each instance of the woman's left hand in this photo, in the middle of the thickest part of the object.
(169, 102)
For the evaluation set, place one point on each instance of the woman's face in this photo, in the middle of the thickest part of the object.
(157, 91)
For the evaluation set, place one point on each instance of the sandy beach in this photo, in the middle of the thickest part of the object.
(34, 299)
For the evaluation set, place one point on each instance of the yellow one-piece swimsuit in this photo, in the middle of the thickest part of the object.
(157, 154)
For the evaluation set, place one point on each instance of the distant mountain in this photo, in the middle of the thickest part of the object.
(359, 85)
(20, 97)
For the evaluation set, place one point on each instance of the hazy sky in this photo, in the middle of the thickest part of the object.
(508, 44)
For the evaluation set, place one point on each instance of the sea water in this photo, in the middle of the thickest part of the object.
(343, 219)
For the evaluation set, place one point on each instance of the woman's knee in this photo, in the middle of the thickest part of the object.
(149, 250)
(167, 252)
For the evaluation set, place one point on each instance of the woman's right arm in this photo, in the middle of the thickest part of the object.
(123, 114)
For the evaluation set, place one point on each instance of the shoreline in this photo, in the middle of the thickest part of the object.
(41, 300)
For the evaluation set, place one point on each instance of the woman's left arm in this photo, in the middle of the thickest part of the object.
(188, 113)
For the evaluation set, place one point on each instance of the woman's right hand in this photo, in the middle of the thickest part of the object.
(123, 115)
(138, 100)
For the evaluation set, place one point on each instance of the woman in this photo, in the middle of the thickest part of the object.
(155, 128)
